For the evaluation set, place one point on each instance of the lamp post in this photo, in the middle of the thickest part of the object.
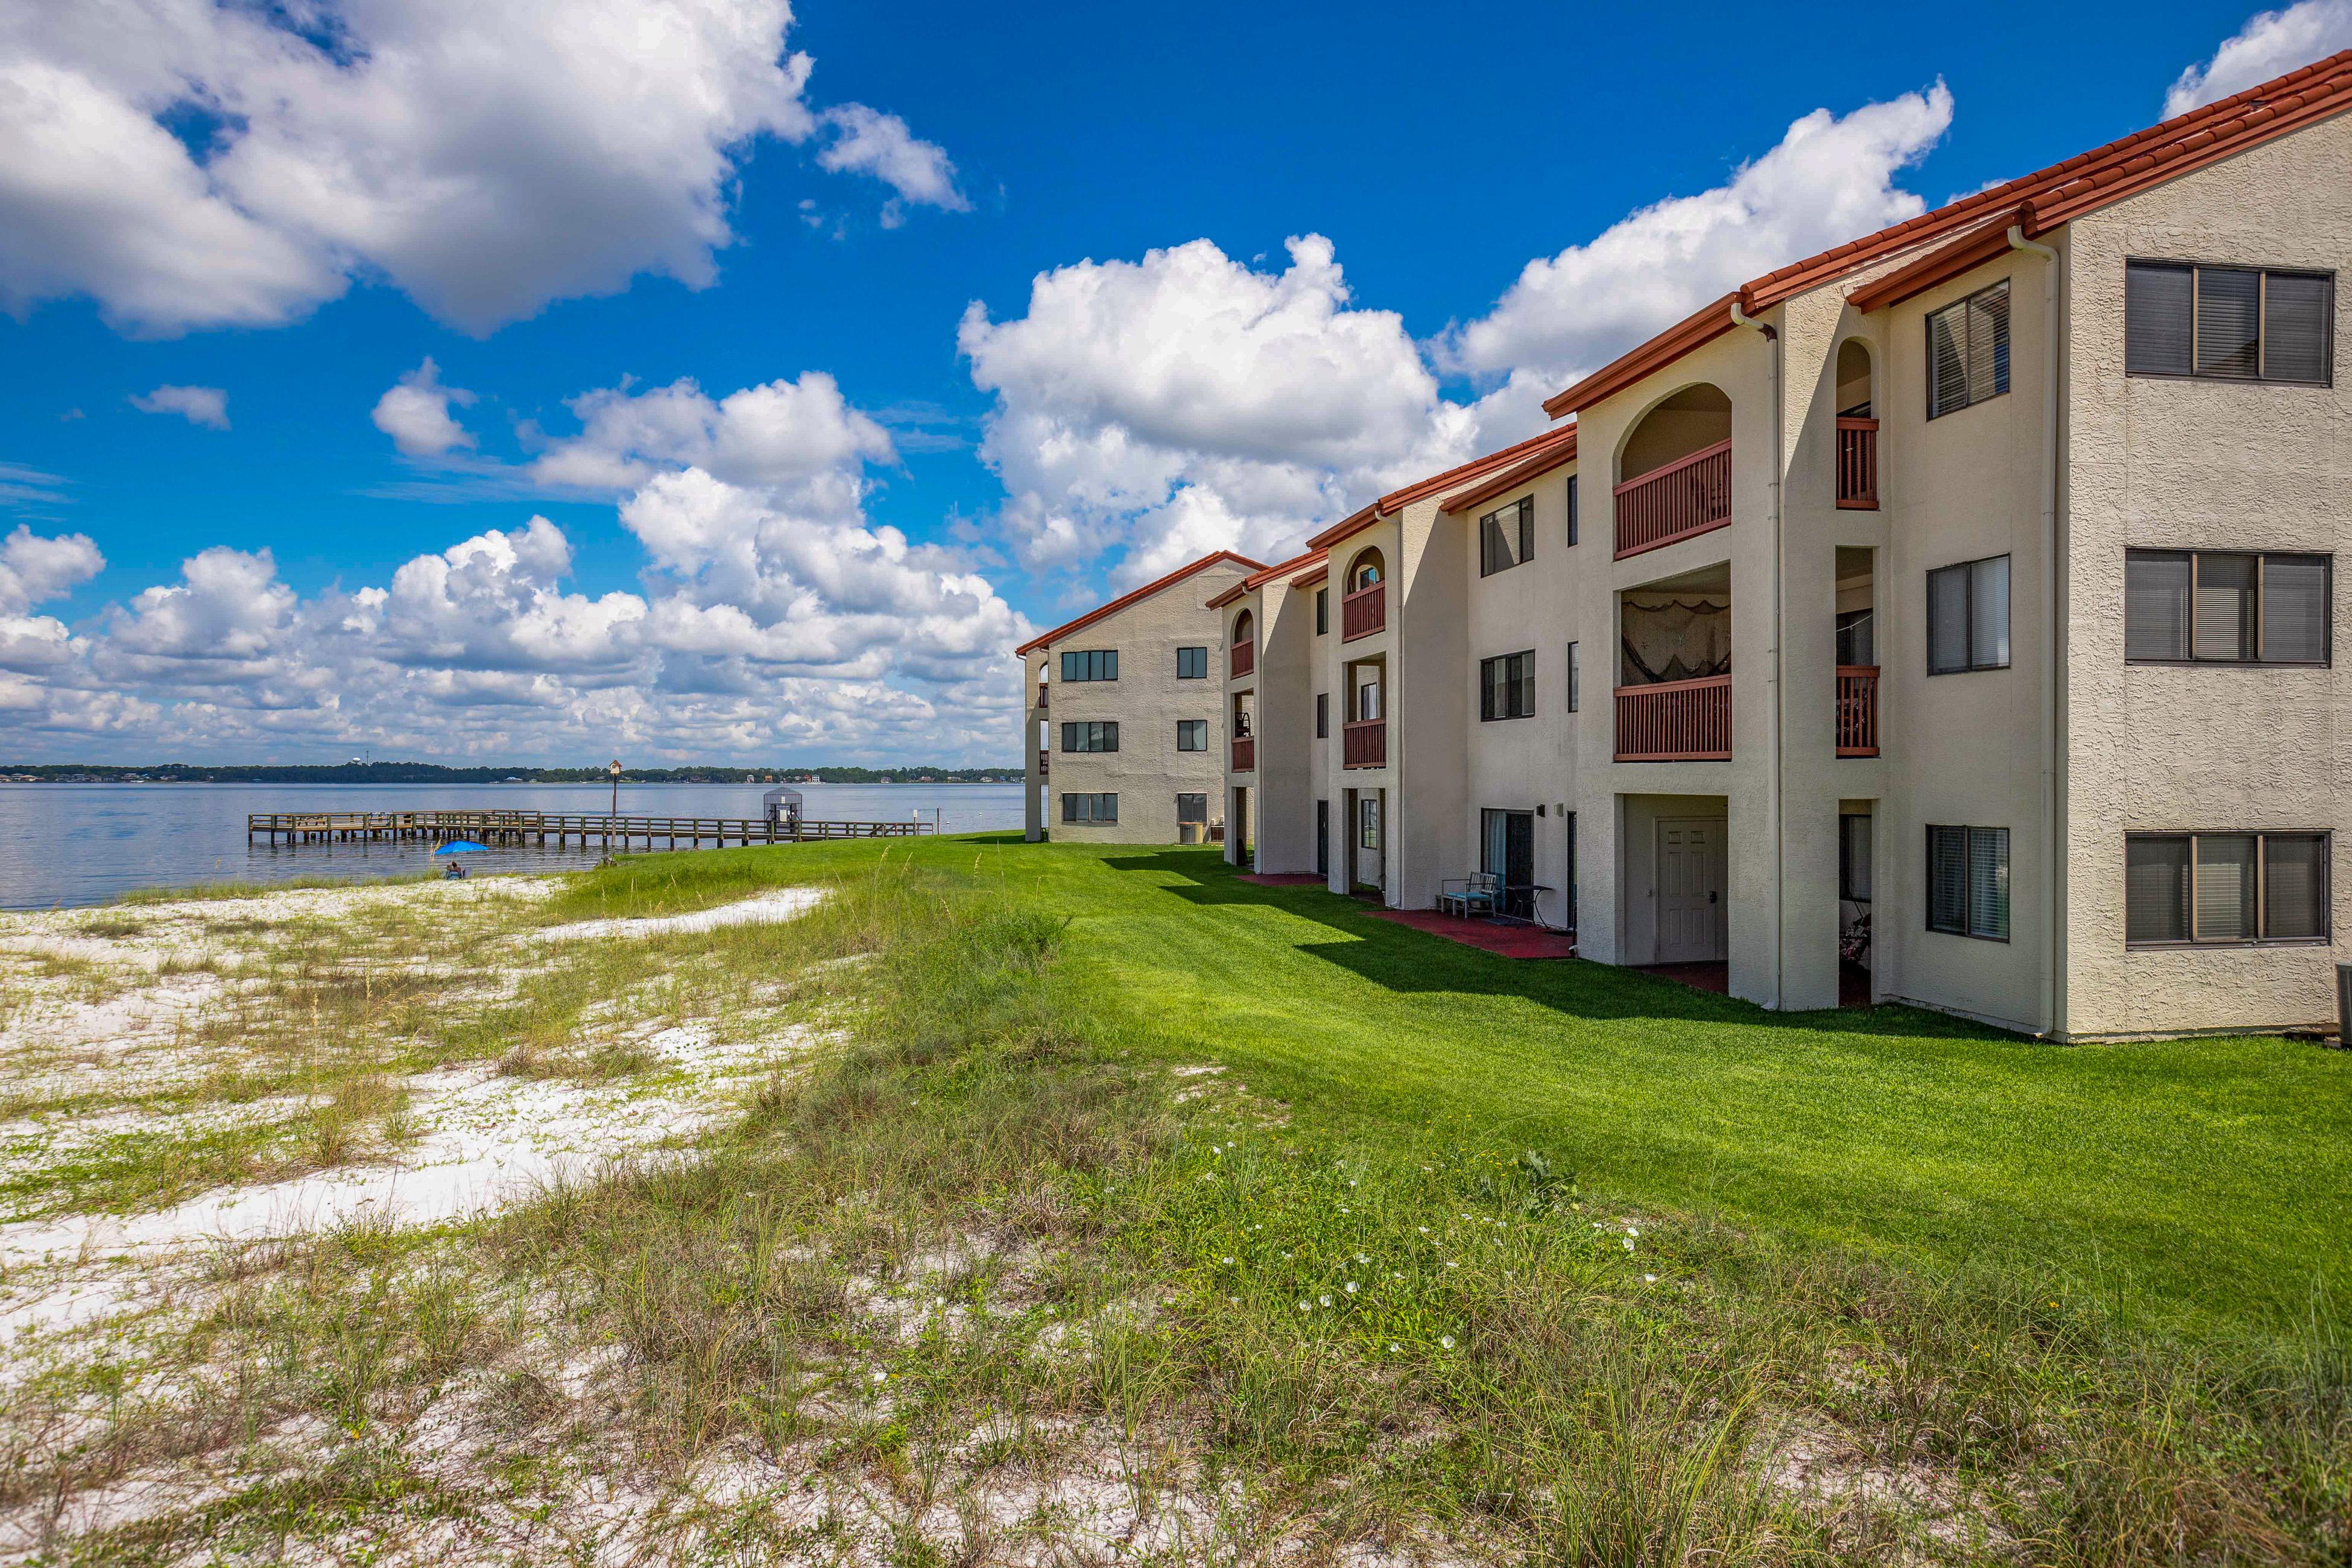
(616, 786)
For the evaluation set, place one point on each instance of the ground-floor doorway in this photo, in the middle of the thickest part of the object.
(1238, 830)
(1323, 839)
(1691, 920)
(1856, 822)
(1507, 851)
(1363, 829)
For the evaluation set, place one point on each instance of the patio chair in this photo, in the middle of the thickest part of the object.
(1480, 893)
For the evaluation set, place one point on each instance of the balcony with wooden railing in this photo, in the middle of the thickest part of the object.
(1364, 744)
(1244, 753)
(1044, 761)
(1040, 694)
(1243, 659)
(1364, 612)
(1675, 721)
(1857, 711)
(1688, 497)
(1857, 464)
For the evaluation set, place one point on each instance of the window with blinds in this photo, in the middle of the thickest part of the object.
(1968, 882)
(1090, 808)
(1507, 538)
(1506, 686)
(2214, 606)
(1968, 616)
(1091, 735)
(2229, 324)
(2224, 889)
(1968, 350)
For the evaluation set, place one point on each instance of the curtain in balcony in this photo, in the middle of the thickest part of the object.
(1677, 639)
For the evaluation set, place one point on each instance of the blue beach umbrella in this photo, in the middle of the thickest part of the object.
(463, 846)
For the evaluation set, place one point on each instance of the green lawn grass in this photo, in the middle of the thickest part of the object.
(2203, 1182)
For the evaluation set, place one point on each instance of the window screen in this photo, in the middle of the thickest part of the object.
(1968, 616)
(2225, 887)
(2225, 607)
(1968, 350)
(1192, 664)
(1967, 881)
(2233, 323)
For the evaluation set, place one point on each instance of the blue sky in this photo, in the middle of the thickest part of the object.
(1057, 297)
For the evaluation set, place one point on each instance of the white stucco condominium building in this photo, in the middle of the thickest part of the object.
(1947, 617)
(1122, 733)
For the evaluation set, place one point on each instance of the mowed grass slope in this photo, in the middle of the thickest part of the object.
(2205, 1179)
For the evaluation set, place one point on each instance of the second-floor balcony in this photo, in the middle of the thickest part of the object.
(1040, 694)
(1364, 612)
(1675, 721)
(1686, 497)
(1244, 753)
(1857, 711)
(1858, 463)
(1243, 660)
(1364, 744)
(1044, 761)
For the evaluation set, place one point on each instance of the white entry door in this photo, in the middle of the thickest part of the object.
(1690, 890)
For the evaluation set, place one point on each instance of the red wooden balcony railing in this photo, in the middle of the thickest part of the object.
(1244, 753)
(1044, 762)
(1686, 497)
(1244, 660)
(1857, 711)
(1364, 744)
(1363, 612)
(1040, 694)
(1857, 464)
(1675, 721)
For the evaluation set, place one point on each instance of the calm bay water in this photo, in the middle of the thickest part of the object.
(84, 844)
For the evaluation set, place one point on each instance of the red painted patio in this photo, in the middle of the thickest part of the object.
(1491, 936)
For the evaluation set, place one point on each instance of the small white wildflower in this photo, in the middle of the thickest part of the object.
(1286, 1255)
(1648, 1279)
(1451, 1264)
(1343, 1208)
(1423, 1228)
(1392, 1344)
(1631, 1231)
(1351, 1181)
(1396, 1275)
(1446, 1341)
(1325, 1299)
(1362, 1259)
(1352, 1286)
(879, 1375)
(1629, 1244)
(1304, 1307)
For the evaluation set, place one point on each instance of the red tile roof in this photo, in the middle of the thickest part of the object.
(1260, 578)
(2036, 203)
(1124, 600)
(1545, 445)
(1512, 478)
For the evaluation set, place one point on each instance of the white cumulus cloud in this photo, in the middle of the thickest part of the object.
(195, 163)
(205, 405)
(868, 142)
(34, 569)
(416, 414)
(2271, 44)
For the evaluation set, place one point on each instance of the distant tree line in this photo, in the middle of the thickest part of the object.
(433, 772)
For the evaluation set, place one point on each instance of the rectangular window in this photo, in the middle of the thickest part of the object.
(1090, 664)
(1192, 664)
(1368, 814)
(2209, 606)
(1967, 881)
(2224, 888)
(1968, 616)
(1506, 686)
(1090, 808)
(1192, 735)
(1968, 350)
(1091, 735)
(1507, 538)
(1854, 856)
(1571, 508)
(1192, 811)
(1322, 611)
(1322, 715)
(1575, 680)
(2227, 323)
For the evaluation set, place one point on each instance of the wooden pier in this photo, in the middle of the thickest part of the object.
(558, 829)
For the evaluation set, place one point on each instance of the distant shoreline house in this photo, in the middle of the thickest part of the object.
(1947, 617)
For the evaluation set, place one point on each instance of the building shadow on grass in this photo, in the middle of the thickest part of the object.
(1399, 958)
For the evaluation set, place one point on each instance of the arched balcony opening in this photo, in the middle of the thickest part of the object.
(1363, 605)
(1674, 471)
(1857, 428)
(1243, 657)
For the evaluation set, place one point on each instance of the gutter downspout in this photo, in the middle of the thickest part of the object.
(1780, 835)
(2048, 578)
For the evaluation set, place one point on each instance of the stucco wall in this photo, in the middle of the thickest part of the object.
(1147, 773)
(2203, 464)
